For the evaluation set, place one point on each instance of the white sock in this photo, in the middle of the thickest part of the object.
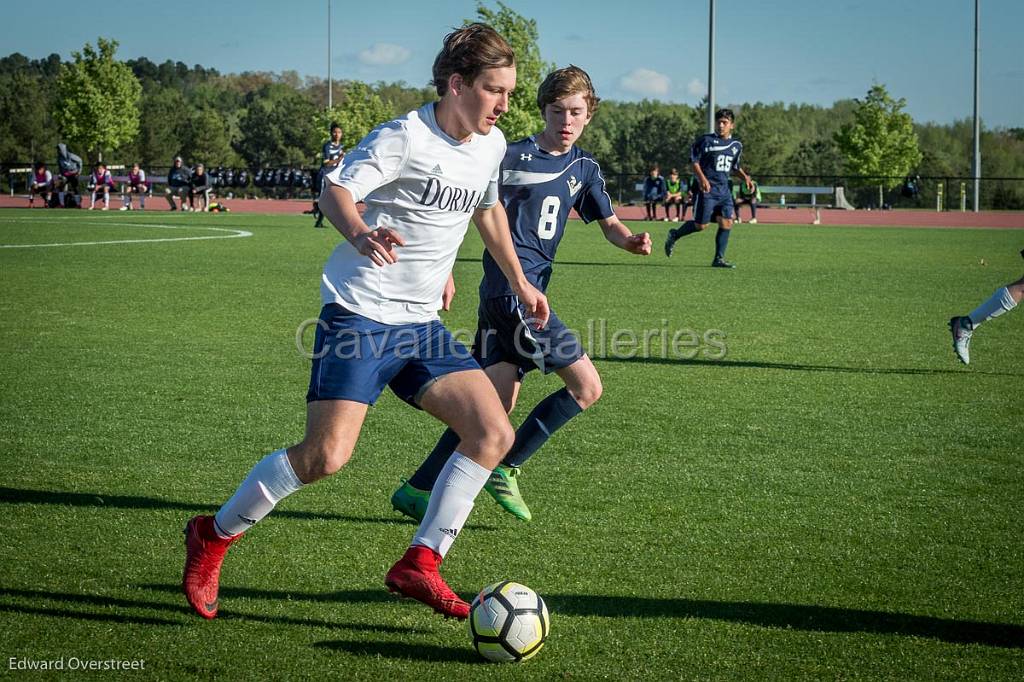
(999, 303)
(269, 482)
(457, 486)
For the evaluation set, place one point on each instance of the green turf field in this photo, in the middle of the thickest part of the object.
(836, 498)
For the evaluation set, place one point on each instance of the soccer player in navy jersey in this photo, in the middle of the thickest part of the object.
(714, 157)
(542, 177)
(331, 155)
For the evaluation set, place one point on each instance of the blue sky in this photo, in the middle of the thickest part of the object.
(804, 51)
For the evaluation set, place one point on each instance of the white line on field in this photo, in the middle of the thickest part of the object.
(232, 234)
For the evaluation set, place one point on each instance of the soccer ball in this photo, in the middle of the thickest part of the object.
(508, 621)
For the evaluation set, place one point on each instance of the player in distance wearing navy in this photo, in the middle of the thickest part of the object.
(714, 157)
(542, 177)
(331, 155)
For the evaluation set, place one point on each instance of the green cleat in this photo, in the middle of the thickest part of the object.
(410, 501)
(504, 489)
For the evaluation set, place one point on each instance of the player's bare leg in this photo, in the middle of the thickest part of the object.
(505, 378)
(468, 403)
(412, 497)
(332, 428)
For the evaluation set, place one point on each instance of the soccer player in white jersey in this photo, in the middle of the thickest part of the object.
(544, 176)
(422, 177)
(1002, 301)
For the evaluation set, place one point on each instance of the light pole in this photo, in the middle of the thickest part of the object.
(977, 105)
(330, 87)
(711, 67)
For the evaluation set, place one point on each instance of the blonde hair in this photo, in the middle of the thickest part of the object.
(565, 82)
(468, 51)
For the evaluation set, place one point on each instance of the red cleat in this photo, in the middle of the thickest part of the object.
(416, 576)
(204, 554)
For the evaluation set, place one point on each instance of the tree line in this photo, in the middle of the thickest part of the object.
(260, 119)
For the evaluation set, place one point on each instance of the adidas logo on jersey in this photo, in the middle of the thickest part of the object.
(436, 170)
(574, 185)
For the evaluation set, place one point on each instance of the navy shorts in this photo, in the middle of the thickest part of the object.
(710, 206)
(355, 357)
(503, 335)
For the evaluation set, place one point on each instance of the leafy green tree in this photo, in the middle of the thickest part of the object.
(26, 131)
(663, 136)
(208, 139)
(523, 118)
(881, 141)
(278, 127)
(814, 157)
(404, 98)
(161, 129)
(97, 99)
(359, 112)
(766, 135)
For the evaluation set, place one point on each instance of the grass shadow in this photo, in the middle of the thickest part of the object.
(228, 592)
(124, 619)
(806, 617)
(760, 364)
(182, 609)
(94, 499)
(403, 651)
(372, 596)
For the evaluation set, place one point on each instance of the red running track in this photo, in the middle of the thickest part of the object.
(765, 216)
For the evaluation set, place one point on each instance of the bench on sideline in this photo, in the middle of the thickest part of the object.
(838, 194)
(784, 190)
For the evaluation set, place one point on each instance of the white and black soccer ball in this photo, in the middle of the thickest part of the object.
(508, 621)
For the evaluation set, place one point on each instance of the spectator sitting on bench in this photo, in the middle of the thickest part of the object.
(654, 192)
(178, 184)
(741, 196)
(100, 182)
(674, 195)
(692, 190)
(70, 167)
(199, 185)
(137, 184)
(42, 184)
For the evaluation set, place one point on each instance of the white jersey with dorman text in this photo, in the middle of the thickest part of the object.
(424, 185)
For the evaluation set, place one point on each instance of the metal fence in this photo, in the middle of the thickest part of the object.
(263, 183)
(945, 193)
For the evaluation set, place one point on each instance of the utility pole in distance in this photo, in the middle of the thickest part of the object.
(711, 67)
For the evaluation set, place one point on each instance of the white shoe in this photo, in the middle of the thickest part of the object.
(105, 208)
(753, 221)
(962, 338)
(91, 207)
(124, 208)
